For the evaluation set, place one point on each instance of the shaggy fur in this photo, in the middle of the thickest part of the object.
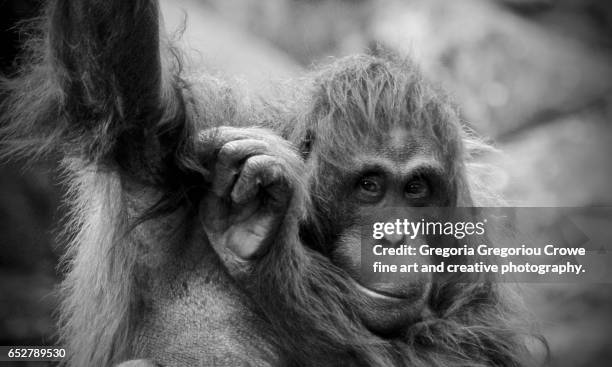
(126, 124)
(97, 89)
(353, 103)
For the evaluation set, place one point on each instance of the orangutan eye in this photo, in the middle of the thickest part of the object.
(370, 186)
(417, 188)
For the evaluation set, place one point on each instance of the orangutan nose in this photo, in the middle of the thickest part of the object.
(394, 239)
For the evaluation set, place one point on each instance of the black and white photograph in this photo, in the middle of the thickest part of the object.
(297, 183)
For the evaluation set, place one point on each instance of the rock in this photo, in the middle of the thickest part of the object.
(221, 47)
(562, 163)
(505, 71)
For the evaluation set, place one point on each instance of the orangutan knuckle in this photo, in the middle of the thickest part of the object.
(235, 152)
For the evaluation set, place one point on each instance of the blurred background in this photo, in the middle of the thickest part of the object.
(533, 75)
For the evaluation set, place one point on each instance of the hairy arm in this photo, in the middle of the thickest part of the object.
(98, 84)
(257, 199)
(99, 87)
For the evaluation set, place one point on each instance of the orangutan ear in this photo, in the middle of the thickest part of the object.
(306, 143)
(466, 212)
(463, 195)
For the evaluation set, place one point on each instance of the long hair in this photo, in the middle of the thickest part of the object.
(120, 173)
(117, 172)
(356, 100)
